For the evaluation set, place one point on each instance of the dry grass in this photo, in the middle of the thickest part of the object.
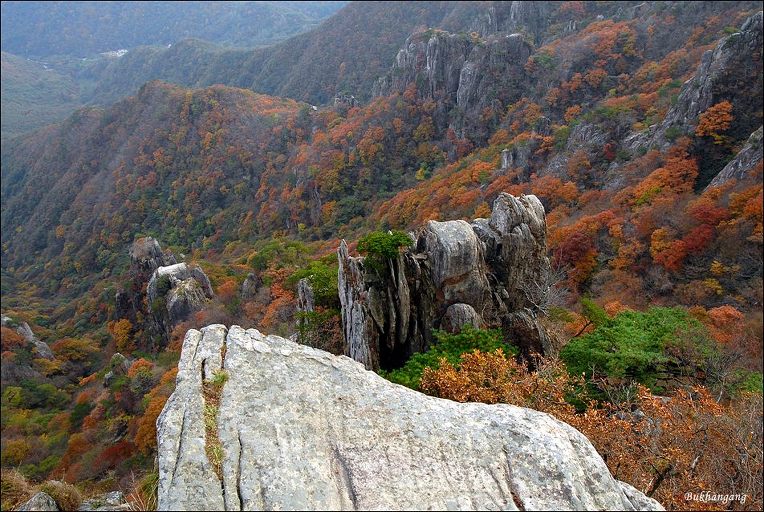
(212, 390)
(143, 495)
(66, 496)
(14, 488)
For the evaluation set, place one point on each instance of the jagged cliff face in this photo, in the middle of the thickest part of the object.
(732, 72)
(464, 74)
(301, 429)
(493, 272)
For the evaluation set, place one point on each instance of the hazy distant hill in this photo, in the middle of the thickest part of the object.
(347, 53)
(86, 28)
(64, 40)
(33, 96)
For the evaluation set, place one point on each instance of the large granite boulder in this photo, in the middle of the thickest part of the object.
(456, 258)
(301, 429)
(459, 315)
(177, 273)
(496, 267)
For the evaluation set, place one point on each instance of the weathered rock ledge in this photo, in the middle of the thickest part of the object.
(493, 272)
(301, 429)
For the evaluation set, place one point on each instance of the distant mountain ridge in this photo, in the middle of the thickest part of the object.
(82, 29)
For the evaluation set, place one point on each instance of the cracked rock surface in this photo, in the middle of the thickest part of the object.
(302, 429)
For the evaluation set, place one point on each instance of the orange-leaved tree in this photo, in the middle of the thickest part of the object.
(717, 119)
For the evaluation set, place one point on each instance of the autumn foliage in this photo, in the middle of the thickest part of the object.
(717, 119)
(665, 447)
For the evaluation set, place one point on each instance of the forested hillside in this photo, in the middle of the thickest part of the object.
(638, 126)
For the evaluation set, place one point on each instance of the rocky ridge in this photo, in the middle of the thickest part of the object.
(40, 348)
(731, 71)
(173, 290)
(744, 162)
(493, 272)
(462, 73)
(301, 429)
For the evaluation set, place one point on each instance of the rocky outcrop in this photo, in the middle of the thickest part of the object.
(186, 477)
(459, 315)
(250, 286)
(464, 74)
(301, 429)
(361, 338)
(744, 162)
(40, 501)
(111, 501)
(732, 72)
(118, 366)
(496, 267)
(178, 273)
(183, 288)
(173, 291)
(146, 255)
(305, 299)
(40, 348)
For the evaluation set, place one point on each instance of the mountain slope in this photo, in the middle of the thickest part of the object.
(103, 174)
(314, 172)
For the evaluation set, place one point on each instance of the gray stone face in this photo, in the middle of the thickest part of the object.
(41, 348)
(189, 289)
(361, 339)
(743, 163)
(455, 255)
(40, 501)
(463, 74)
(494, 266)
(302, 429)
(459, 315)
(305, 300)
(184, 298)
(187, 480)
